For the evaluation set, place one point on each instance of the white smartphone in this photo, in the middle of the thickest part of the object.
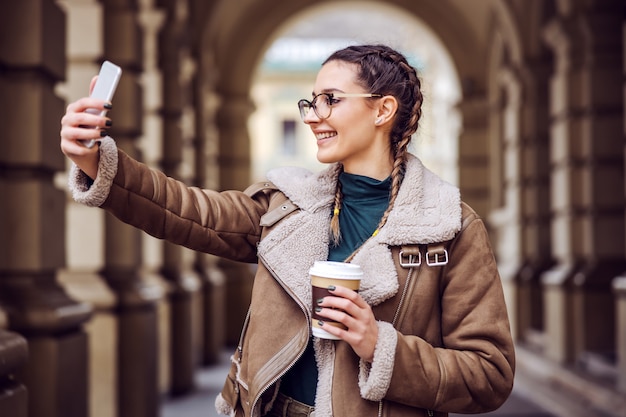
(108, 78)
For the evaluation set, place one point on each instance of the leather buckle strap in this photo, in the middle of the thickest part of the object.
(436, 255)
(410, 256)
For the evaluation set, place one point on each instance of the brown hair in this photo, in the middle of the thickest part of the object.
(383, 70)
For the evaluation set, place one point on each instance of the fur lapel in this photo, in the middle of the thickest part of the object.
(427, 210)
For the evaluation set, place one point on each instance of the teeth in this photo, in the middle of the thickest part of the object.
(324, 135)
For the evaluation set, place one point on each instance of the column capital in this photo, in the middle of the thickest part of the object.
(39, 305)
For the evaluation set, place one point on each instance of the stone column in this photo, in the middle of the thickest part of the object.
(619, 283)
(206, 104)
(585, 113)
(557, 281)
(151, 18)
(619, 288)
(177, 161)
(535, 197)
(234, 173)
(136, 310)
(474, 150)
(32, 212)
(86, 47)
(13, 395)
(505, 216)
(85, 225)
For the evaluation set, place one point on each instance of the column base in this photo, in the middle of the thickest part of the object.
(184, 302)
(56, 375)
(530, 309)
(213, 312)
(13, 395)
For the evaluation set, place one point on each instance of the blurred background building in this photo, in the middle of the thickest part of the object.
(524, 112)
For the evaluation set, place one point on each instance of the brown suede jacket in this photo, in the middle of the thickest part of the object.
(444, 339)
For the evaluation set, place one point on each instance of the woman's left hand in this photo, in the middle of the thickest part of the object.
(349, 308)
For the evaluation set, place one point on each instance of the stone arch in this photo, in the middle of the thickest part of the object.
(277, 88)
(235, 53)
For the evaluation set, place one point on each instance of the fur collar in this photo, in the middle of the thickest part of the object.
(427, 210)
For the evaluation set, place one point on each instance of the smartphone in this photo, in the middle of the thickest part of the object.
(108, 78)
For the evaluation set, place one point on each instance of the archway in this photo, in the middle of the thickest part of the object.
(288, 68)
(230, 49)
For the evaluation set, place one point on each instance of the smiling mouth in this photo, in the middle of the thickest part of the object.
(325, 135)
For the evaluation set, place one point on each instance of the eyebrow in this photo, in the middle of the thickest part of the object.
(327, 90)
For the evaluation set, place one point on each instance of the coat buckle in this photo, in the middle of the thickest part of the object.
(410, 260)
(437, 257)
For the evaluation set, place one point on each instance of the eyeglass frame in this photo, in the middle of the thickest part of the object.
(330, 96)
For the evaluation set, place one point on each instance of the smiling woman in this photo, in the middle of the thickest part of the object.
(374, 206)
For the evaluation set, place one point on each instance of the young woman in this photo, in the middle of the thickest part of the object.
(427, 333)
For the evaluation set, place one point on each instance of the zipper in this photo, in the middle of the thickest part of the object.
(395, 319)
(308, 318)
(402, 297)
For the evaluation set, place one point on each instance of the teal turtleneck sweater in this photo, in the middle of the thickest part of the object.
(362, 206)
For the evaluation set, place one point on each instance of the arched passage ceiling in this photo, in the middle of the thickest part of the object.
(238, 34)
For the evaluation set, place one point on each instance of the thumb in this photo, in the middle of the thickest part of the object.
(92, 83)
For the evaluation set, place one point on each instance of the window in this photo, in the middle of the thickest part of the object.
(289, 138)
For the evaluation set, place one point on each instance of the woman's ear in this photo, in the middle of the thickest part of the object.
(387, 108)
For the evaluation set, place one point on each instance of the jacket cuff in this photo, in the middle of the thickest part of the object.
(375, 377)
(93, 193)
(223, 407)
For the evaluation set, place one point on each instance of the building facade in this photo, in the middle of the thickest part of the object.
(98, 320)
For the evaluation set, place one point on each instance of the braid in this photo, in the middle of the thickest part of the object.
(397, 175)
(335, 232)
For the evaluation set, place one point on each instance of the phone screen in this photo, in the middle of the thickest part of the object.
(108, 78)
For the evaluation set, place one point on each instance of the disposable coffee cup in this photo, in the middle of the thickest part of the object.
(324, 274)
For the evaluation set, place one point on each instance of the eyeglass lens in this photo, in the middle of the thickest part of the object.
(321, 105)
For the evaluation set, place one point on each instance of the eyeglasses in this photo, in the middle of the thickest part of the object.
(322, 104)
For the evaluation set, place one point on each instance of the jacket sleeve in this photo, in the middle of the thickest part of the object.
(225, 223)
(471, 369)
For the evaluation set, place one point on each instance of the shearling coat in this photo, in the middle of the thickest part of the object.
(444, 340)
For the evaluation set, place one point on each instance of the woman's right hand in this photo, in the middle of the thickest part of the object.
(78, 126)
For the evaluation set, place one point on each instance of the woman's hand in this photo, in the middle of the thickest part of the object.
(349, 308)
(78, 126)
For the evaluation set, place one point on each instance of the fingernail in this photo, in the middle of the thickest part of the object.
(320, 322)
(331, 288)
(318, 309)
(108, 106)
(320, 300)
(103, 133)
(109, 122)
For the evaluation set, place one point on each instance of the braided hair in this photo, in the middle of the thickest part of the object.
(383, 70)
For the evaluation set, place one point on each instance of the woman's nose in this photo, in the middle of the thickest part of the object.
(311, 116)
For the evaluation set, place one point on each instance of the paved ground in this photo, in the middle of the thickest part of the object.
(210, 381)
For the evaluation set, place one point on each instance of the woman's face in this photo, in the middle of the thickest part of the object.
(349, 135)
